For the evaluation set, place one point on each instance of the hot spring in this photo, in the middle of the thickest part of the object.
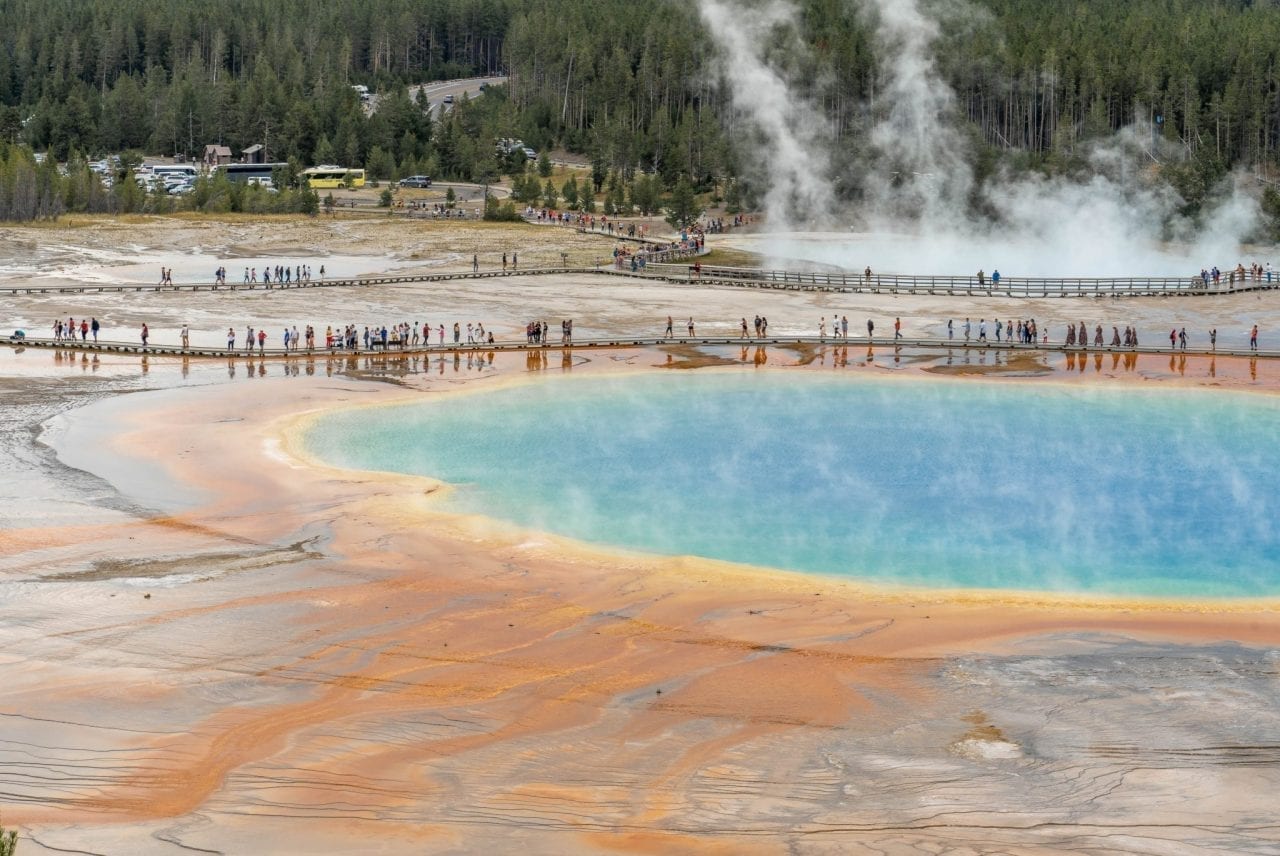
(945, 484)
(1112, 253)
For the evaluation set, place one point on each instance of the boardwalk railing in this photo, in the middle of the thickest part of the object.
(1137, 286)
(665, 265)
(329, 282)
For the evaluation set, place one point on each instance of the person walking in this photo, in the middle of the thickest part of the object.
(982, 330)
(1213, 339)
(1182, 338)
(967, 328)
(668, 334)
(951, 330)
(95, 327)
(897, 329)
(1253, 338)
(186, 336)
(475, 264)
(871, 330)
(262, 340)
(145, 335)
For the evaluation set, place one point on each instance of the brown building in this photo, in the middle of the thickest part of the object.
(256, 153)
(217, 155)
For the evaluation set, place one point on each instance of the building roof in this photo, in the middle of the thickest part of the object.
(220, 151)
(253, 149)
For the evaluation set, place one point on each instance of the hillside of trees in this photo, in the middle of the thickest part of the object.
(632, 85)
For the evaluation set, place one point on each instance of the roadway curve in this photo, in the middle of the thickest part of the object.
(436, 92)
(468, 86)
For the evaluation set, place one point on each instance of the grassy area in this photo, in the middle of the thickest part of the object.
(732, 258)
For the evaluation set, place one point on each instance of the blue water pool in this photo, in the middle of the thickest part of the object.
(942, 483)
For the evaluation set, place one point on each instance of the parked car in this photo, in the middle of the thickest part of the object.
(416, 181)
(448, 99)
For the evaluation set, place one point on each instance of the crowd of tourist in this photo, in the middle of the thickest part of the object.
(404, 334)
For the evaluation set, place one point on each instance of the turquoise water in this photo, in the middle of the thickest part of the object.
(934, 483)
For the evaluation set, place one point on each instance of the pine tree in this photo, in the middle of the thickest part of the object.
(682, 208)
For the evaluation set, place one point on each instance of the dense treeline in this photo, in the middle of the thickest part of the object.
(631, 84)
(170, 76)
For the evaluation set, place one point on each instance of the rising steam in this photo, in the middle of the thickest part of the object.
(913, 167)
(794, 133)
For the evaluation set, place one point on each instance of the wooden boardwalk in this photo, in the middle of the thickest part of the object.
(961, 286)
(925, 344)
(754, 278)
(684, 274)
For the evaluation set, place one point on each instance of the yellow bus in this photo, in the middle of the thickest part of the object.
(332, 177)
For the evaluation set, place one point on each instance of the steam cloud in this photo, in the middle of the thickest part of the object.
(914, 168)
(793, 133)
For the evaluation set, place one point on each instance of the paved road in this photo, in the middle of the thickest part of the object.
(436, 92)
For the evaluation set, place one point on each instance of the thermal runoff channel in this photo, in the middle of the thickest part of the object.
(924, 483)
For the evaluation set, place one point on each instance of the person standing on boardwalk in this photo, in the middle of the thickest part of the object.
(690, 326)
(668, 334)
(262, 340)
(95, 327)
(146, 334)
(1253, 338)
(967, 328)
(475, 264)
(1182, 338)
(982, 330)
(186, 336)
(897, 329)
(743, 334)
(844, 326)
(1213, 339)
(871, 329)
(951, 330)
